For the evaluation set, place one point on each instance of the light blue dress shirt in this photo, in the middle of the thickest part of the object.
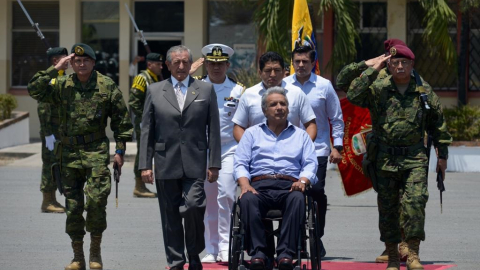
(184, 86)
(325, 104)
(261, 152)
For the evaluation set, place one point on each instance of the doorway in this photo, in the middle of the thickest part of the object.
(157, 46)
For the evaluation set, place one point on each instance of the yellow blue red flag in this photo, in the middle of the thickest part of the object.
(302, 31)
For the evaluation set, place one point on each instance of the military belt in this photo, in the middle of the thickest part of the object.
(83, 139)
(400, 150)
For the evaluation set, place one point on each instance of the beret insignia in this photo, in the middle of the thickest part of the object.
(393, 51)
(79, 50)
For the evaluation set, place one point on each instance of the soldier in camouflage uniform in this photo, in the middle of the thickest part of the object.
(87, 99)
(49, 127)
(136, 102)
(396, 151)
(344, 79)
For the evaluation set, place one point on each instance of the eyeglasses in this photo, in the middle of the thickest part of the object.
(405, 63)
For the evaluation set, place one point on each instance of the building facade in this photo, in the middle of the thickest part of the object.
(106, 26)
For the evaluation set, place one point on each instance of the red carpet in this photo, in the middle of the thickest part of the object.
(328, 265)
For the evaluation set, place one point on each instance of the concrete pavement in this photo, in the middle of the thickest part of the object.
(34, 240)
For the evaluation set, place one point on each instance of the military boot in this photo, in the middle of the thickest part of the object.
(78, 262)
(393, 257)
(403, 250)
(50, 204)
(383, 258)
(413, 260)
(141, 190)
(95, 252)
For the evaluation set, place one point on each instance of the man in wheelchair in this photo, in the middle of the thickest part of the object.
(274, 163)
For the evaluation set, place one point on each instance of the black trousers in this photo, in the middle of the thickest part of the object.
(318, 193)
(272, 194)
(182, 200)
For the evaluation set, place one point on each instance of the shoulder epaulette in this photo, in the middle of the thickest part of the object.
(199, 78)
(238, 83)
(140, 83)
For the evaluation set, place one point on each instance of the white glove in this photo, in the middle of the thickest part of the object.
(50, 142)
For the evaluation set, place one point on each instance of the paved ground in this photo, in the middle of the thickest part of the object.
(33, 240)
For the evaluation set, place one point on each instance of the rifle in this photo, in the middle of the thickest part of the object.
(140, 32)
(441, 188)
(57, 176)
(116, 177)
(35, 26)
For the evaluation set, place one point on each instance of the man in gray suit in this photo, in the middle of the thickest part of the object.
(180, 127)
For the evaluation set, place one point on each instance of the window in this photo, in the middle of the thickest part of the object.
(160, 16)
(28, 51)
(474, 51)
(429, 65)
(101, 30)
(373, 29)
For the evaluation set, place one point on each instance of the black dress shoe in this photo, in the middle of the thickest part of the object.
(285, 264)
(257, 264)
(176, 268)
(194, 262)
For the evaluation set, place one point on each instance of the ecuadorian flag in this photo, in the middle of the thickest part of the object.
(302, 31)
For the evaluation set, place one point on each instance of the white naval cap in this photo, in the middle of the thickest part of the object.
(217, 52)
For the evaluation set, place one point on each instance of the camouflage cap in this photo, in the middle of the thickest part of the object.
(82, 49)
(154, 57)
(56, 51)
(400, 51)
(392, 42)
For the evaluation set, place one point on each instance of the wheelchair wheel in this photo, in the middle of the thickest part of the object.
(235, 243)
(313, 229)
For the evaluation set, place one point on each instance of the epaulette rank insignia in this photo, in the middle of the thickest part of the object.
(232, 99)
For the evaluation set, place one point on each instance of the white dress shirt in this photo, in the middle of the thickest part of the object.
(249, 112)
(326, 105)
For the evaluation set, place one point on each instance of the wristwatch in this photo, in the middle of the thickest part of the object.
(120, 152)
(339, 148)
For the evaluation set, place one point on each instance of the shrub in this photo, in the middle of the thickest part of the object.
(7, 104)
(463, 122)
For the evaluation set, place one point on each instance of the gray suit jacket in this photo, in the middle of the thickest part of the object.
(179, 140)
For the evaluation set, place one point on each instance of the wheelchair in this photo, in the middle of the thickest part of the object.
(310, 233)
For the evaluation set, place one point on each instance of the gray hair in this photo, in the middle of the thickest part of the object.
(273, 90)
(179, 49)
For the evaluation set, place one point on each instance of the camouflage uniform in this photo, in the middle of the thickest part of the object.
(399, 124)
(84, 148)
(136, 102)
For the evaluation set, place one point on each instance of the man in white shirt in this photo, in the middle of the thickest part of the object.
(326, 105)
(221, 194)
(249, 111)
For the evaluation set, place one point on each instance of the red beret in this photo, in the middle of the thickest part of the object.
(400, 51)
(392, 42)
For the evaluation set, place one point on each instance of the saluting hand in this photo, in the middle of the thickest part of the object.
(378, 62)
(195, 65)
(63, 63)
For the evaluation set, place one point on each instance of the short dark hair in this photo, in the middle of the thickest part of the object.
(270, 57)
(312, 54)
